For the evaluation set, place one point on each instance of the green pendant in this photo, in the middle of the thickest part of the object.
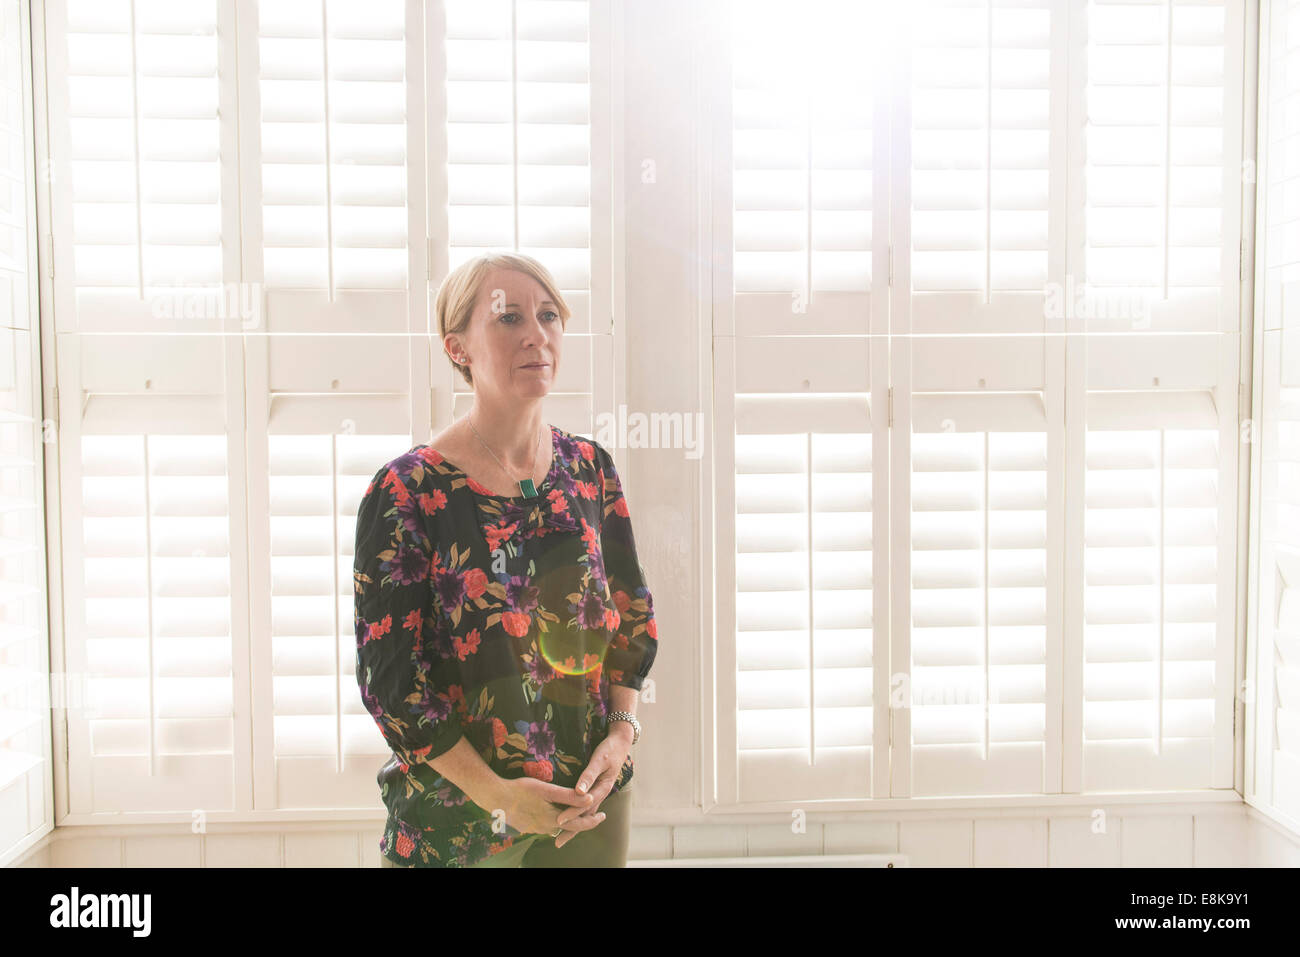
(527, 487)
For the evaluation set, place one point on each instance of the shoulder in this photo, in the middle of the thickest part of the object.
(415, 470)
(580, 449)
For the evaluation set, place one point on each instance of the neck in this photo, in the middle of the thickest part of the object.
(512, 432)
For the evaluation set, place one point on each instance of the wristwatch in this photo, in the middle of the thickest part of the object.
(627, 716)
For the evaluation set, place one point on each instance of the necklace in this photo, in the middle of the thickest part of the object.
(526, 487)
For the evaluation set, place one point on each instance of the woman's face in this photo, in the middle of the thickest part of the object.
(514, 337)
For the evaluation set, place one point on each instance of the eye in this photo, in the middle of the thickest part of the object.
(510, 318)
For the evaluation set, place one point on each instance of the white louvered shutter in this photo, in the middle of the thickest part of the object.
(524, 170)
(143, 147)
(979, 593)
(982, 148)
(326, 749)
(26, 779)
(1151, 565)
(1274, 685)
(160, 732)
(332, 90)
(987, 92)
(1159, 237)
(333, 390)
(1159, 126)
(137, 134)
(794, 400)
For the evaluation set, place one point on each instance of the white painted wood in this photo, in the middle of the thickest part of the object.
(901, 368)
(1272, 777)
(1091, 840)
(26, 745)
(1010, 842)
(937, 843)
(1156, 841)
(828, 860)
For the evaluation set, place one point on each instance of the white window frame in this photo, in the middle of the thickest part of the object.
(406, 338)
(1067, 369)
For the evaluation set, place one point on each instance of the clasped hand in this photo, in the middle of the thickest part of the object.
(530, 805)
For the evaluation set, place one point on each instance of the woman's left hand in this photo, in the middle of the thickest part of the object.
(598, 777)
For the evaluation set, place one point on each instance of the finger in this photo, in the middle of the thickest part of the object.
(598, 794)
(568, 835)
(582, 822)
(571, 814)
(590, 803)
(569, 796)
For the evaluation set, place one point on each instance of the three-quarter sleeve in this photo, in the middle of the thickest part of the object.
(632, 652)
(406, 685)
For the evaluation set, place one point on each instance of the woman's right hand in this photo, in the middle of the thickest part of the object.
(533, 807)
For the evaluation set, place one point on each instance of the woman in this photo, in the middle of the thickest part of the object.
(503, 623)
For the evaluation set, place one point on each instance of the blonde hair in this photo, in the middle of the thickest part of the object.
(458, 293)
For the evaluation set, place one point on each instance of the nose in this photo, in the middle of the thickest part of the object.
(535, 330)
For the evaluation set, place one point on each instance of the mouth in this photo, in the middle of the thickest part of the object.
(537, 365)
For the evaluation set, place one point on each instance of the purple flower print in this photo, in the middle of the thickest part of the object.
(407, 567)
(541, 739)
(521, 594)
(448, 794)
(372, 703)
(451, 589)
(567, 483)
(598, 579)
(433, 706)
(540, 670)
(567, 447)
(591, 612)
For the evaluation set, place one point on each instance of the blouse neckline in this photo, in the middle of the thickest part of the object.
(470, 482)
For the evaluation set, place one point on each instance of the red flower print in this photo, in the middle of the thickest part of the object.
(421, 752)
(621, 601)
(496, 534)
(498, 732)
(587, 451)
(465, 646)
(405, 845)
(541, 770)
(379, 628)
(455, 693)
(432, 456)
(612, 618)
(557, 501)
(475, 582)
(481, 489)
(413, 621)
(432, 501)
(587, 490)
(393, 482)
(620, 507)
(515, 623)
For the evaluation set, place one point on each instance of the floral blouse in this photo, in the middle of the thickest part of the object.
(499, 619)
